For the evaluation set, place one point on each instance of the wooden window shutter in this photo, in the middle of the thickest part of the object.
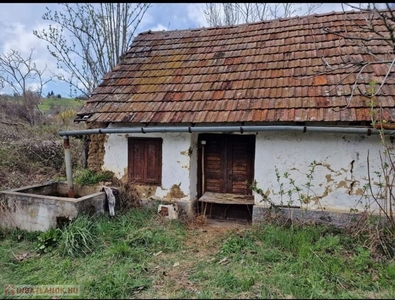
(145, 160)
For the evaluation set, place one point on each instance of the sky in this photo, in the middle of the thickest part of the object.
(18, 20)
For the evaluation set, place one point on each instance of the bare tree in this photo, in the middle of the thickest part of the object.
(368, 35)
(88, 40)
(224, 14)
(25, 79)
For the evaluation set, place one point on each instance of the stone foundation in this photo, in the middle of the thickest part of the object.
(338, 219)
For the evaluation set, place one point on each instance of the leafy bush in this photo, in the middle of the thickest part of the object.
(87, 177)
(66, 117)
(48, 240)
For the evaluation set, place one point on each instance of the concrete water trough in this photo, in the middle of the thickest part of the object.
(44, 206)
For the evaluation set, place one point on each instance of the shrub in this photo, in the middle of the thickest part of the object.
(87, 177)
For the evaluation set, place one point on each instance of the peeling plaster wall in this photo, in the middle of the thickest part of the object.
(339, 176)
(116, 154)
(337, 182)
(179, 163)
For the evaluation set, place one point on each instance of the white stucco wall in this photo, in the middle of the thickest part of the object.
(337, 184)
(179, 160)
(339, 175)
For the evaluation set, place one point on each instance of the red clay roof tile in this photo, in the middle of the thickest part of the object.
(289, 70)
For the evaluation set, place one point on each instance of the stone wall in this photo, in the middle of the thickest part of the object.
(96, 149)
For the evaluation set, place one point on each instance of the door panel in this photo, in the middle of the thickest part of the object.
(213, 165)
(241, 164)
(228, 163)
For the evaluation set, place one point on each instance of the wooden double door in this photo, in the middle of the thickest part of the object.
(227, 163)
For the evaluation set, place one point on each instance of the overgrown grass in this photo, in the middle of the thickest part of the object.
(78, 237)
(307, 262)
(140, 255)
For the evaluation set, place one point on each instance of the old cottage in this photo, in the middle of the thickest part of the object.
(196, 116)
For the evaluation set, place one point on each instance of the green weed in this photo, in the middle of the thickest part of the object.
(237, 244)
(78, 237)
(48, 240)
(87, 177)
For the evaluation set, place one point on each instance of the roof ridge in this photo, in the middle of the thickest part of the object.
(315, 15)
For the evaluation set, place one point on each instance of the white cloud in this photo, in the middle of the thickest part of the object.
(196, 14)
(21, 39)
(34, 86)
(330, 7)
(16, 37)
(159, 27)
(147, 19)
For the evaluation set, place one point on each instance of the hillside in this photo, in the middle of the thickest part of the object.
(34, 154)
(53, 106)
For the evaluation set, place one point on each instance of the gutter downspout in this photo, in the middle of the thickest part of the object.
(67, 159)
(190, 129)
(241, 129)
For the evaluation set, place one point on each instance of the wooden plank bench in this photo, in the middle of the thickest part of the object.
(224, 198)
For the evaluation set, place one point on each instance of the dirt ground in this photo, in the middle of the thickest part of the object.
(203, 232)
(172, 270)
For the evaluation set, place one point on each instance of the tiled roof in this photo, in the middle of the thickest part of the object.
(259, 72)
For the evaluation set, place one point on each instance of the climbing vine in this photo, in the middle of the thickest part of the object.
(304, 192)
